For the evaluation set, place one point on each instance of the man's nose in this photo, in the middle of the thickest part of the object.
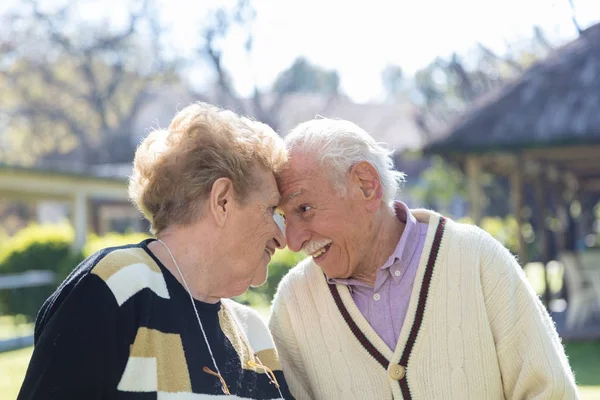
(295, 235)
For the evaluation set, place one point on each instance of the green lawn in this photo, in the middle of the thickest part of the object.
(583, 356)
(13, 365)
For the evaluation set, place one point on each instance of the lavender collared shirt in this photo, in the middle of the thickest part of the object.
(384, 305)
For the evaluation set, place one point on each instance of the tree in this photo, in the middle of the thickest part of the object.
(447, 87)
(75, 85)
(304, 77)
(265, 106)
(394, 82)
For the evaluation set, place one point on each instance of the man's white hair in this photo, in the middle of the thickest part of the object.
(338, 145)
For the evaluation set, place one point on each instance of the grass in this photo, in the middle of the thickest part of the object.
(13, 365)
(583, 357)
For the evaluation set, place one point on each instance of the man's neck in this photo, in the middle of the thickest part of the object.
(192, 258)
(384, 241)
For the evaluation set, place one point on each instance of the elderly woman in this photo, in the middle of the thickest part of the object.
(151, 320)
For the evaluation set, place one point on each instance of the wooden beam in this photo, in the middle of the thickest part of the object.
(475, 191)
(542, 235)
(565, 153)
(562, 215)
(592, 185)
(516, 194)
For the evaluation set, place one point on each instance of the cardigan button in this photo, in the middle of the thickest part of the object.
(396, 371)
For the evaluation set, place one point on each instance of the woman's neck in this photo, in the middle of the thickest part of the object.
(174, 249)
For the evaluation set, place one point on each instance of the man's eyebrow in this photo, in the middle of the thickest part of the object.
(293, 195)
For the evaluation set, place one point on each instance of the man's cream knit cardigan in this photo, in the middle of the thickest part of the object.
(474, 330)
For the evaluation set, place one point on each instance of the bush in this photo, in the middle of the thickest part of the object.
(96, 243)
(36, 247)
(280, 264)
(48, 247)
(504, 230)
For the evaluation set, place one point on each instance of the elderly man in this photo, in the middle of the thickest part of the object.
(396, 303)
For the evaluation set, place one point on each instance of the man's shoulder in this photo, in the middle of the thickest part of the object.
(469, 232)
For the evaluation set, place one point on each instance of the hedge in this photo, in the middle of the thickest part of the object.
(47, 247)
(36, 247)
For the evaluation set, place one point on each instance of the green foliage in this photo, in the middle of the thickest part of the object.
(48, 248)
(36, 247)
(280, 264)
(439, 184)
(505, 230)
(96, 243)
(304, 77)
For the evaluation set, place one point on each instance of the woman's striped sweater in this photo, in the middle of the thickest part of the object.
(122, 327)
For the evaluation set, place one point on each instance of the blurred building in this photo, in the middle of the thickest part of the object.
(94, 197)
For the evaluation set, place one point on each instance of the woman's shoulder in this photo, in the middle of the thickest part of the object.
(127, 270)
(252, 324)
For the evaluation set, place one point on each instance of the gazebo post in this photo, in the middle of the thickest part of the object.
(475, 193)
(562, 215)
(541, 210)
(80, 220)
(516, 194)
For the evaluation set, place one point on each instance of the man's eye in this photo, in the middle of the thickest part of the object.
(305, 208)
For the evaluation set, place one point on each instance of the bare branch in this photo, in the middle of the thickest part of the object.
(55, 34)
(540, 37)
(223, 80)
(114, 40)
(574, 17)
(506, 60)
(98, 78)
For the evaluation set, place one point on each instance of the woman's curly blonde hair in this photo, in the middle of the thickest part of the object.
(174, 169)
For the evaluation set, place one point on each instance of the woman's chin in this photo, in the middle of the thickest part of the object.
(259, 282)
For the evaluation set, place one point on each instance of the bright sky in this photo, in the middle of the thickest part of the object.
(360, 38)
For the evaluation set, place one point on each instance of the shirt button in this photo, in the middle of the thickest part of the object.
(397, 272)
(396, 371)
(376, 296)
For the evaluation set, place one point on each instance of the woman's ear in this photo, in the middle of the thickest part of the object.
(221, 200)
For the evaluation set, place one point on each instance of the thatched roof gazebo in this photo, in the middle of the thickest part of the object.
(542, 129)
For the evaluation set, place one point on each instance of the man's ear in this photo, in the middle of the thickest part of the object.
(221, 200)
(367, 178)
